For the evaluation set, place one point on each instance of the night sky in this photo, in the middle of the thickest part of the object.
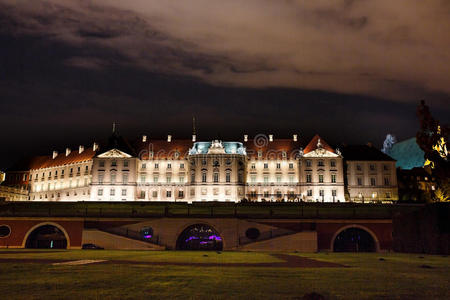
(349, 70)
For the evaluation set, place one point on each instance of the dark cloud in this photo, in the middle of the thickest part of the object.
(349, 70)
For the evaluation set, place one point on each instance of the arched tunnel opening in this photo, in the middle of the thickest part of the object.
(200, 237)
(354, 240)
(46, 237)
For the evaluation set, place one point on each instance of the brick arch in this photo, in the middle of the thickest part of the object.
(24, 242)
(372, 234)
(182, 228)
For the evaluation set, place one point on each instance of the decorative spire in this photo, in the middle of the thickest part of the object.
(193, 126)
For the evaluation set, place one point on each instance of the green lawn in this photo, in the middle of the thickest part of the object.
(398, 276)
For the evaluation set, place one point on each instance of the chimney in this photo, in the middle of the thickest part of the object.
(295, 137)
(245, 138)
(68, 151)
(55, 154)
(144, 138)
(80, 149)
(194, 138)
(270, 137)
(169, 138)
(95, 147)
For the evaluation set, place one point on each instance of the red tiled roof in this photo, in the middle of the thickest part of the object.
(162, 149)
(40, 162)
(312, 145)
(272, 150)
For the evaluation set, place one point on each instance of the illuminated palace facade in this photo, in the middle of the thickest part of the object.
(261, 168)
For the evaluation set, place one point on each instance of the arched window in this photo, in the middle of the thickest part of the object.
(228, 176)
(216, 177)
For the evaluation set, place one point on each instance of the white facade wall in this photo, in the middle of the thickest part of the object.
(372, 181)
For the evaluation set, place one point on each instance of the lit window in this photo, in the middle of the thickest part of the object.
(113, 178)
(266, 179)
(253, 178)
(143, 178)
(181, 179)
(278, 179)
(100, 178)
(112, 192)
(320, 178)
(155, 179)
(125, 178)
(291, 179)
(168, 179)
(333, 178)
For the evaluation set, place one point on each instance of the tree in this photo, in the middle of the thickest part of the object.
(432, 138)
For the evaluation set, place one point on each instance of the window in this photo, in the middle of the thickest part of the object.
(204, 162)
(112, 192)
(279, 194)
(155, 194)
(372, 167)
(192, 192)
(228, 177)
(180, 194)
(181, 166)
(113, 178)
(156, 166)
(144, 166)
(99, 192)
(388, 195)
(333, 163)
(359, 181)
(308, 163)
(169, 166)
(168, 194)
(266, 194)
(266, 166)
(181, 179)
(291, 166)
(142, 195)
(193, 177)
(309, 193)
(320, 178)
(203, 176)
(125, 163)
(266, 179)
(358, 167)
(168, 179)
(155, 179)
(372, 181)
(125, 178)
(114, 163)
(308, 178)
(253, 179)
(253, 166)
(386, 181)
(259, 153)
(385, 167)
(278, 166)
(216, 177)
(278, 179)
(143, 178)
(333, 178)
(291, 179)
(124, 192)
(100, 178)
(321, 193)
(216, 163)
(333, 193)
(101, 164)
(320, 163)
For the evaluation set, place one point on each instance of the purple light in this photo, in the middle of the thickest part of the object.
(215, 237)
(148, 236)
(202, 243)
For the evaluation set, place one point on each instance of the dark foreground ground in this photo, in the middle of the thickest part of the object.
(99, 274)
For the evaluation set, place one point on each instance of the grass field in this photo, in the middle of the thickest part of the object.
(395, 276)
